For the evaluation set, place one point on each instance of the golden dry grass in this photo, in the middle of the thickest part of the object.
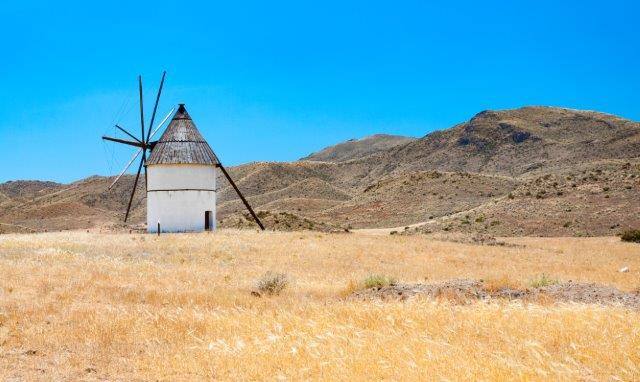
(178, 307)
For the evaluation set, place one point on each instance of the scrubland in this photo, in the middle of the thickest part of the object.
(89, 306)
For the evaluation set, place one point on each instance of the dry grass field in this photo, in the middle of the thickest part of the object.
(88, 306)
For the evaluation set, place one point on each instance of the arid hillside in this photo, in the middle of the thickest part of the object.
(529, 171)
(517, 142)
(357, 148)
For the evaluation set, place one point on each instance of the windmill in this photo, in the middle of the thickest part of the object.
(182, 172)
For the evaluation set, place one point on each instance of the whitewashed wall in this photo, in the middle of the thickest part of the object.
(179, 195)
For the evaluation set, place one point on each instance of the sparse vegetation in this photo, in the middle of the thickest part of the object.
(542, 281)
(272, 283)
(140, 307)
(632, 235)
(378, 281)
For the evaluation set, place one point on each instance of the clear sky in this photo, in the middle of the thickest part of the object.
(274, 81)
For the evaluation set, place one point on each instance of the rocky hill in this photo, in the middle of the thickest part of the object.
(517, 142)
(529, 171)
(357, 148)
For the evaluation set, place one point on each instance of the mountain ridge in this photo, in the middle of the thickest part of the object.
(497, 162)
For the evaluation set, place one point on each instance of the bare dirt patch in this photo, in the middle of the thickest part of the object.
(467, 238)
(464, 290)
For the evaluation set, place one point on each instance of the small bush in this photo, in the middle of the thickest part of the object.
(272, 283)
(542, 281)
(378, 281)
(632, 236)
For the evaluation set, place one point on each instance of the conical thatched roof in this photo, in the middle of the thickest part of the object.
(182, 143)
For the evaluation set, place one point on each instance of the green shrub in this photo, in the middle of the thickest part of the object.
(542, 281)
(378, 281)
(632, 236)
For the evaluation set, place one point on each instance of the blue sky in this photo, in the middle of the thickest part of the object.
(274, 81)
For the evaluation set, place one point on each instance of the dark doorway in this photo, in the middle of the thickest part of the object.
(207, 221)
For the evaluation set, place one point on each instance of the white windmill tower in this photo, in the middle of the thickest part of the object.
(180, 174)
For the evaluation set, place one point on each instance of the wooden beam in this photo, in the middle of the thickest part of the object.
(246, 204)
(141, 108)
(135, 184)
(155, 107)
(124, 141)
(129, 134)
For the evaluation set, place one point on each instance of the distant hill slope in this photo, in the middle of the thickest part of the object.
(27, 189)
(528, 171)
(358, 148)
(517, 142)
(596, 198)
(83, 204)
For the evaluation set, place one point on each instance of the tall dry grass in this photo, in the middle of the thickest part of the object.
(178, 307)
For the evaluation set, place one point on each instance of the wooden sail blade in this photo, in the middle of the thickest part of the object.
(155, 107)
(124, 141)
(133, 191)
(246, 204)
(169, 114)
(141, 108)
(128, 133)
(144, 163)
(125, 169)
